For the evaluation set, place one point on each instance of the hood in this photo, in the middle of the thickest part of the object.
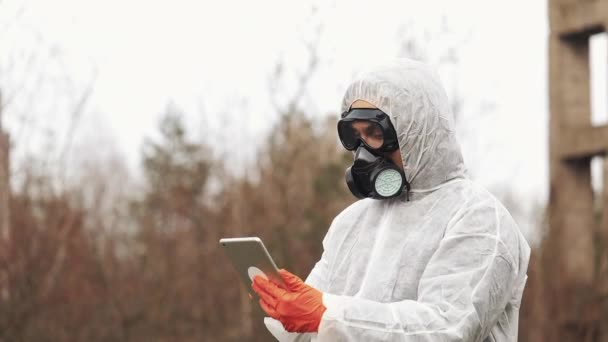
(413, 97)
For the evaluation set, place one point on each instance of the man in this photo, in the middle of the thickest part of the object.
(427, 255)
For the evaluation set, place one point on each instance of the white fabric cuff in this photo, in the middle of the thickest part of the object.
(334, 308)
(276, 329)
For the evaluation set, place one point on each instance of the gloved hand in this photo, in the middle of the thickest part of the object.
(299, 309)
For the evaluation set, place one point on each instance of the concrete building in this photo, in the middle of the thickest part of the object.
(573, 254)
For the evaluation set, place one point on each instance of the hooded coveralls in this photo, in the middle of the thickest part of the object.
(447, 265)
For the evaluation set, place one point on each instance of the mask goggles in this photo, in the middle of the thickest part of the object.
(368, 126)
(369, 132)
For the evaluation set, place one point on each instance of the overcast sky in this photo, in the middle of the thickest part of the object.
(213, 59)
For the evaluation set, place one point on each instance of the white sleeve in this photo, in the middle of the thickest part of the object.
(465, 287)
(276, 329)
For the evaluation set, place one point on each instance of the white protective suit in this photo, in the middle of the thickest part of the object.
(448, 265)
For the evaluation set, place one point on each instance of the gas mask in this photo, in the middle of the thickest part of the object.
(369, 132)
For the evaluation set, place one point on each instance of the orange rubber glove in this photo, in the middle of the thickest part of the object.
(299, 309)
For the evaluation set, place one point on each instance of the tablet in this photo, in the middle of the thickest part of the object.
(250, 258)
